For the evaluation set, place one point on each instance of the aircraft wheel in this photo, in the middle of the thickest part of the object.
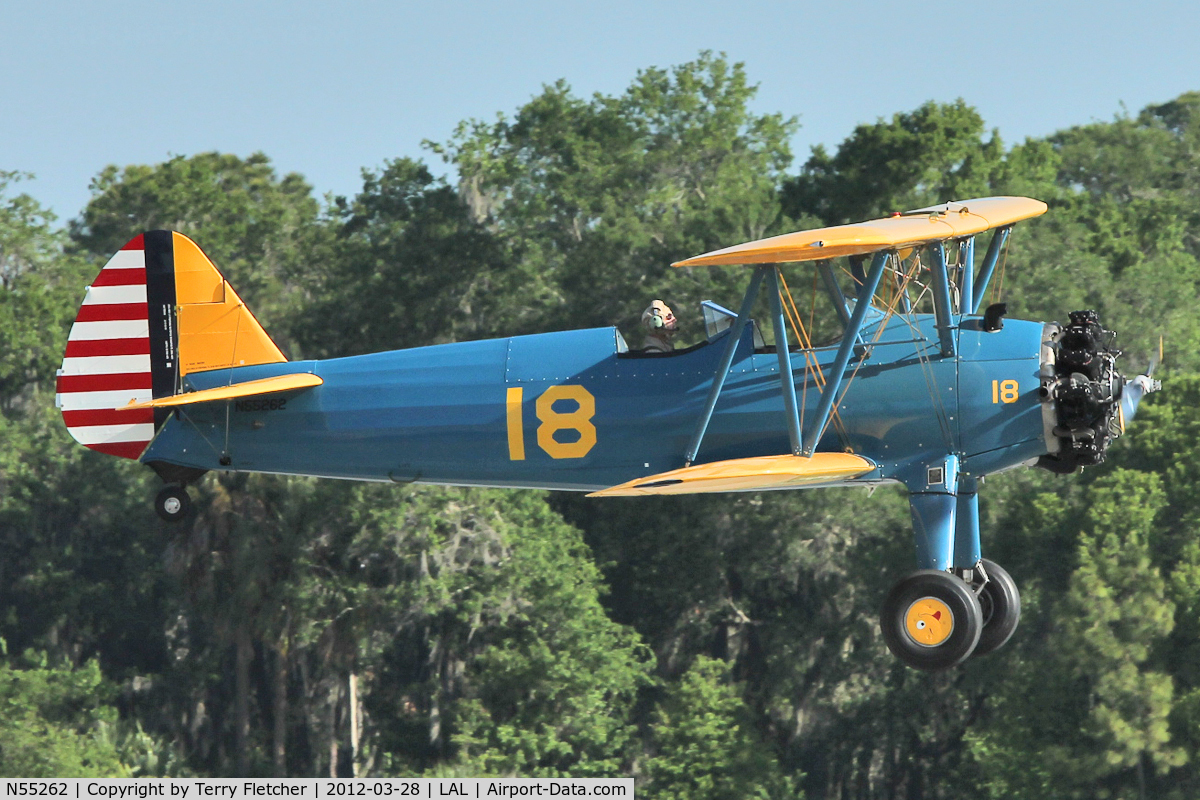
(173, 503)
(1000, 602)
(931, 620)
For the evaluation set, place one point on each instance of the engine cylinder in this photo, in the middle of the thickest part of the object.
(1084, 393)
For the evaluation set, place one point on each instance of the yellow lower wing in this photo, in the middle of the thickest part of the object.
(742, 474)
(281, 383)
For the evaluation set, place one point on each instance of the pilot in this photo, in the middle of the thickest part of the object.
(660, 324)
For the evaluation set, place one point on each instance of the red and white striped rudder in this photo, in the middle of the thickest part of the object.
(107, 363)
(158, 311)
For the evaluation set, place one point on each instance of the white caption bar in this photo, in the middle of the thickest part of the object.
(315, 788)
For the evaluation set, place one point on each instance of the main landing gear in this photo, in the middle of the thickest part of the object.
(931, 620)
(959, 604)
(1000, 603)
(934, 620)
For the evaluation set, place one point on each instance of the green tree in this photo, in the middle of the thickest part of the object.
(608, 192)
(705, 746)
(57, 722)
(312, 627)
(1163, 440)
(59, 504)
(40, 289)
(1147, 156)
(228, 572)
(1087, 712)
(408, 267)
(474, 618)
(258, 228)
(930, 155)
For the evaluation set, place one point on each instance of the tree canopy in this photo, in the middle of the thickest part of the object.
(711, 647)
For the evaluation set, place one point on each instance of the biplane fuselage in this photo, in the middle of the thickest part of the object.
(566, 410)
(166, 365)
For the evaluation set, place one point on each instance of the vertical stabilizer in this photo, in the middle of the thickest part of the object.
(158, 311)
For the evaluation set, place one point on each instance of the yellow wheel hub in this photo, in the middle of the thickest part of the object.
(929, 622)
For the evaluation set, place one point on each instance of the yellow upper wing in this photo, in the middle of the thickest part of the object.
(921, 226)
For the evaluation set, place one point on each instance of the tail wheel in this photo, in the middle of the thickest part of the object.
(173, 504)
(1000, 602)
(931, 620)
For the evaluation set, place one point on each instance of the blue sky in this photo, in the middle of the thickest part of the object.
(327, 88)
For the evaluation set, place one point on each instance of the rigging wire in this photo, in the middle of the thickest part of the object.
(998, 285)
(811, 365)
(923, 360)
(889, 311)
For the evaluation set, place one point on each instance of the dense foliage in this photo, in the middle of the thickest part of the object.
(713, 647)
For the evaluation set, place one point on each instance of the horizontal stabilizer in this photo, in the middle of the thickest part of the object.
(744, 474)
(281, 383)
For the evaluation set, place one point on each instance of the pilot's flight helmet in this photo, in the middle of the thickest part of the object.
(659, 317)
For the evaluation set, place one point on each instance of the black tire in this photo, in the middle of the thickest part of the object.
(1000, 602)
(173, 504)
(920, 603)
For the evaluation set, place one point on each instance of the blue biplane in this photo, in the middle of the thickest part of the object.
(166, 365)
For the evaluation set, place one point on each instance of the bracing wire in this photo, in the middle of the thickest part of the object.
(903, 279)
(998, 285)
(939, 409)
(811, 365)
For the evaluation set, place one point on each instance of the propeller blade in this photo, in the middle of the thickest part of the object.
(1138, 387)
(1156, 359)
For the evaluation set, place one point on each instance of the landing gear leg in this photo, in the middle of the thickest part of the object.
(1000, 602)
(997, 592)
(173, 504)
(931, 620)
